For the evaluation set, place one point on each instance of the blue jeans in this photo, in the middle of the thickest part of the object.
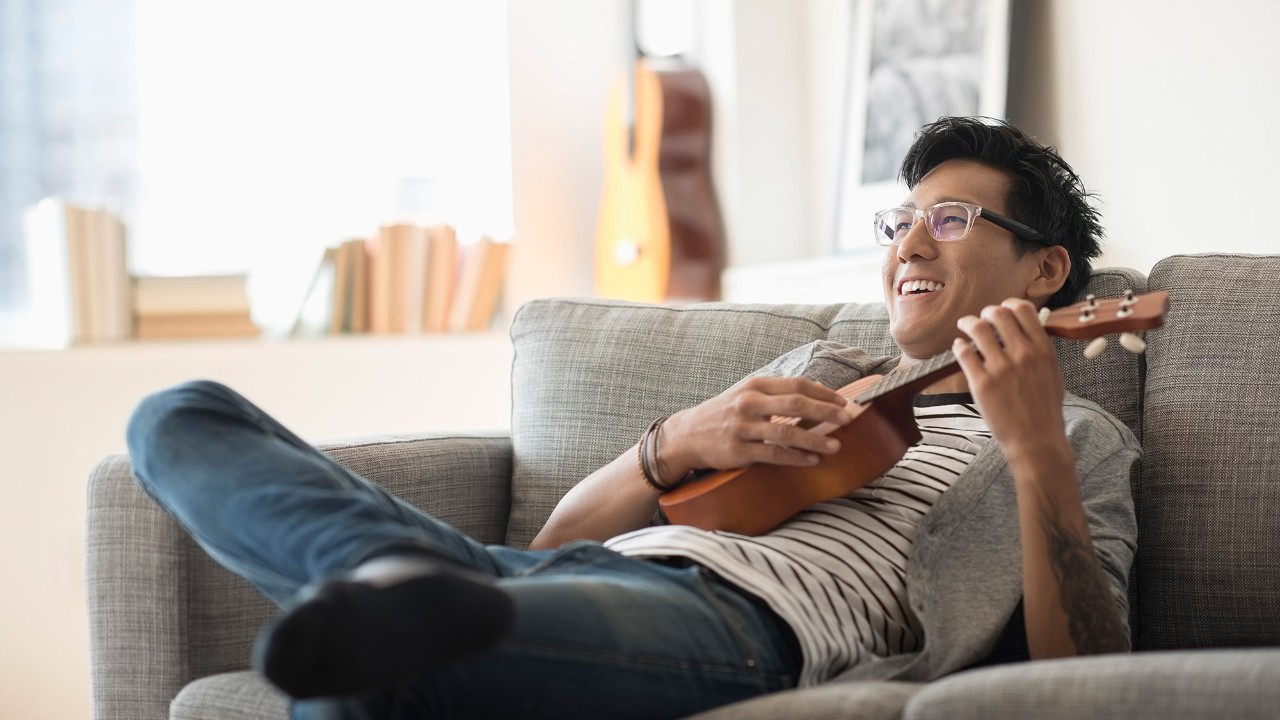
(597, 635)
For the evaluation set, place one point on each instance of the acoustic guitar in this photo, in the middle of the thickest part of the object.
(659, 234)
(755, 499)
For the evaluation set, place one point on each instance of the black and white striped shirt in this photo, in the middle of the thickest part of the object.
(836, 572)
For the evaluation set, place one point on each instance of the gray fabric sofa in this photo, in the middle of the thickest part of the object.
(171, 631)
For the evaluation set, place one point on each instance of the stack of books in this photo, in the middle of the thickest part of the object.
(203, 306)
(77, 275)
(406, 279)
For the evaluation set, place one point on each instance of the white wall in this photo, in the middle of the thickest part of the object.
(1167, 109)
(563, 55)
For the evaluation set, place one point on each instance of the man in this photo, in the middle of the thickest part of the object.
(1016, 496)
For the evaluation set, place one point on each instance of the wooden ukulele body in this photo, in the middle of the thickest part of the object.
(873, 442)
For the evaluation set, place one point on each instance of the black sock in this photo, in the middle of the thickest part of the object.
(349, 637)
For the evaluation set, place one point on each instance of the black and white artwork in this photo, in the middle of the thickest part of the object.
(926, 62)
(911, 62)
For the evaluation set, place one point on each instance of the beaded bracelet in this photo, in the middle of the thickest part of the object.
(647, 451)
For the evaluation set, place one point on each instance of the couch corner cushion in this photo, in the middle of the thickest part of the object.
(1208, 566)
(230, 696)
(1187, 685)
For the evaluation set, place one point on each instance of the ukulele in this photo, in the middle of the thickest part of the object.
(754, 499)
(659, 234)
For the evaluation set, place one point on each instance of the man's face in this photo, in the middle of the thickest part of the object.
(966, 275)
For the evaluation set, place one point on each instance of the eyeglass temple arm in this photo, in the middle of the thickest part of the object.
(1014, 226)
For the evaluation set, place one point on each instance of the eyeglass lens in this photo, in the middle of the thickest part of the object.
(947, 221)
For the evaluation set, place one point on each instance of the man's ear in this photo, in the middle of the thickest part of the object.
(1051, 274)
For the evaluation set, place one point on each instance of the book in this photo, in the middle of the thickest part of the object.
(115, 285)
(340, 298)
(193, 306)
(414, 273)
(479, 285)
(315, 316)
(387, 291)
(358, 307)
(442, 274)
(89, 256)
(156, 294)
(350, 295)
(52, 317)
(105, 277)
(77, 277)
(199, 325)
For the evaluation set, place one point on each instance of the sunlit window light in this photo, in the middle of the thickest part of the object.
(273, 128)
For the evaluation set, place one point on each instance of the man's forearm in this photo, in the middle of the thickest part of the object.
(1070, 608)
(609, 502)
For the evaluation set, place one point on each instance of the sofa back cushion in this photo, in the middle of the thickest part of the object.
(589, 375)
(1208, 564)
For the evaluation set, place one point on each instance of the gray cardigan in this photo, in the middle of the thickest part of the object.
(964, 576)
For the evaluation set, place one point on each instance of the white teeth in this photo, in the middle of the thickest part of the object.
(917, 285)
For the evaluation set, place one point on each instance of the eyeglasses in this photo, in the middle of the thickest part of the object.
(946, 221)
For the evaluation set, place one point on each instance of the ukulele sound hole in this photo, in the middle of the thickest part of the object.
(626, 252)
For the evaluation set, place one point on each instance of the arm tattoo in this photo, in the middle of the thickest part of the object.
(1087, 600)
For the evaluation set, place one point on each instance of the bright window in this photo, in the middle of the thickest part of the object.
(268, 129)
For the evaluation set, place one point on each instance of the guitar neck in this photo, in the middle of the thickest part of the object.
(633, 56)
(1086, 320)
(913, 380)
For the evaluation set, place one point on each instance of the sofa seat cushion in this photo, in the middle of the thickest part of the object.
(1199, 685)
(230, 696)
(834, 701)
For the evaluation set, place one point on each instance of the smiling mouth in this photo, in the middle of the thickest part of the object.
(919, 287)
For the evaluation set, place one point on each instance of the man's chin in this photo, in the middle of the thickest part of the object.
(916, 349)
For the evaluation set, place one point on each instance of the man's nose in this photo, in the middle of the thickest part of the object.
(917, 243)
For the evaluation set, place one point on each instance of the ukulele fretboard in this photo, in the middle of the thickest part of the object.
(904, 377)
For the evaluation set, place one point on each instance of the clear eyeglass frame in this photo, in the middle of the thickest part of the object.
(886, 234)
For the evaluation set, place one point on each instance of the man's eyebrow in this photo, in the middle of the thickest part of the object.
(942, 199)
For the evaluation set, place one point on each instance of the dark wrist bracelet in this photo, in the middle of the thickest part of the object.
(648, 454)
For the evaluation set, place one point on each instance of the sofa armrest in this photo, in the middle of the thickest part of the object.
(162, 614)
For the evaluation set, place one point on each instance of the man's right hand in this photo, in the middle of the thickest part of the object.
(736, 428)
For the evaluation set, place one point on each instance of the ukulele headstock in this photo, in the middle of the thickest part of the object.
(1096, 318)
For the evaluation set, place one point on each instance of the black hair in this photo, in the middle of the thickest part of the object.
(1045, 192)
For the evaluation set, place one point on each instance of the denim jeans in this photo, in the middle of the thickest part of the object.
(597, 634)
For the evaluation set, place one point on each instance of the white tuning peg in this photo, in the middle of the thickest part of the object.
(1095, 348)
(1132, 342)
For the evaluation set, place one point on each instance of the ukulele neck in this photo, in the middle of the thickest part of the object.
(908, 382)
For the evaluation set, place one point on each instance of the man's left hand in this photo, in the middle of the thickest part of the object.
(1014, 376)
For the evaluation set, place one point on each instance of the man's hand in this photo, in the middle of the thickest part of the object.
(1014, 376)
(734, 428)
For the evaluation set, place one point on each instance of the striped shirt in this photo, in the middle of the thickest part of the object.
(836, 572)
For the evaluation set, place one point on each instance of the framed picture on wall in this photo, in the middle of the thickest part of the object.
(911, 62)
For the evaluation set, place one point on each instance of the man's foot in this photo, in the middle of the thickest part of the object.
(348, 637)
